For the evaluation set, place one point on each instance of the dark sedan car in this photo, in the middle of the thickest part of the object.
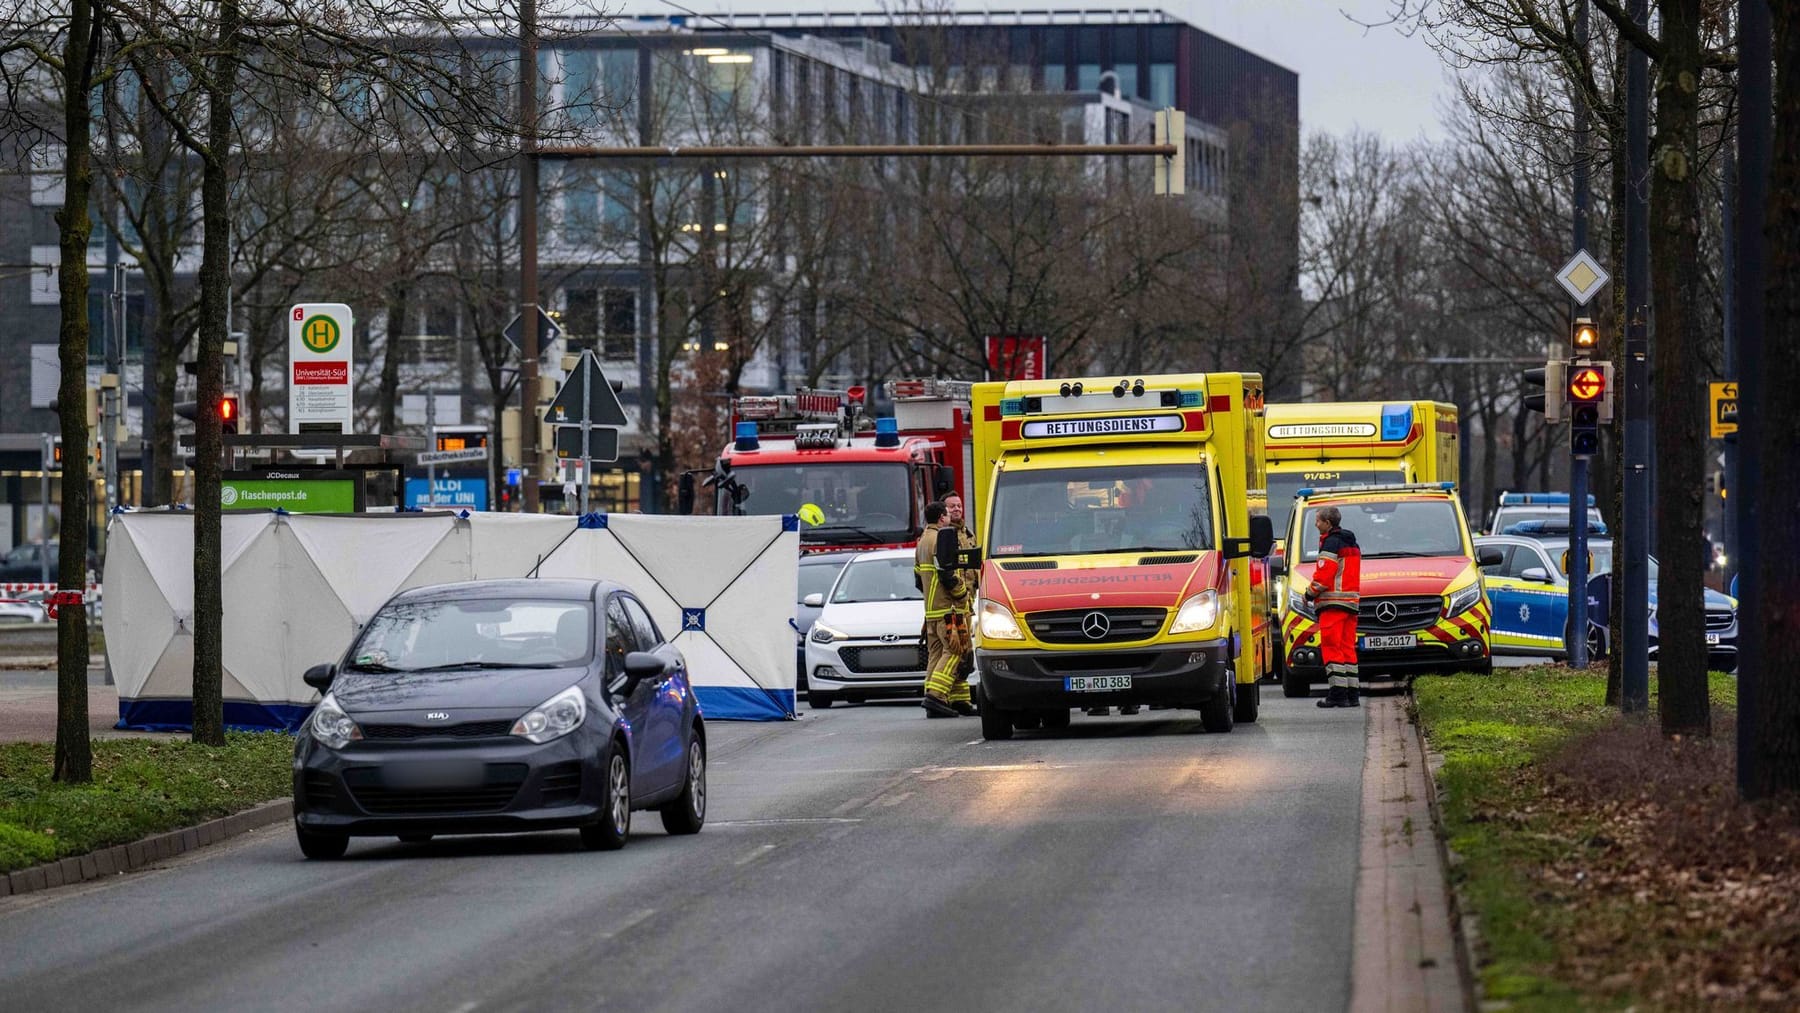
(501, 706)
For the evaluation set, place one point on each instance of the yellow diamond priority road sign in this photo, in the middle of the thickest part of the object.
(1582, 277)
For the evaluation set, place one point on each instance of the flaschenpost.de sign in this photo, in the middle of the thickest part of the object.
(321, 343)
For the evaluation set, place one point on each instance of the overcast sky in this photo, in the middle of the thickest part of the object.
(1378, 79)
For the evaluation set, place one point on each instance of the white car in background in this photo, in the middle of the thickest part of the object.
(865, 643)
(19, 612)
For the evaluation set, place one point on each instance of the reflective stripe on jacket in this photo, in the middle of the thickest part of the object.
(1337, 581)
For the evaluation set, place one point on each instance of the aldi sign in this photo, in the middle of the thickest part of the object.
(321, 341)
(450, 493)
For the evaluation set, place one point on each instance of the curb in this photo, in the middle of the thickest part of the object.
(131, 857)
(1463, 923)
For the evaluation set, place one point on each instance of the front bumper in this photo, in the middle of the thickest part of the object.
(851, 668)
(482, 786)
(1448, 644)
(1173, 675)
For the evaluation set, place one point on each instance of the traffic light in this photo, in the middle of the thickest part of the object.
(228, 414)
(1587, 389)
(1584, 338)
(1544, 391)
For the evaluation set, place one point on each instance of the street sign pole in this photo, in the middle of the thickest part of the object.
(44, 518)
(1575, 649)
(1633, 564)
(431, 431)
(587, 433)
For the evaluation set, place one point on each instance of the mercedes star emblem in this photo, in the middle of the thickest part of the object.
(1387, 612)
(1096, 625)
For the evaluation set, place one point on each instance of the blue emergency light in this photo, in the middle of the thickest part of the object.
(887, 432)
(746, 437)
(1396, 422)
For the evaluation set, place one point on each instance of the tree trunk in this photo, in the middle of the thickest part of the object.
(74, 762)
(389, 395)
(1679, 375)
(1613, 492)
(215, 283)
(159, 430)
(1773, 433)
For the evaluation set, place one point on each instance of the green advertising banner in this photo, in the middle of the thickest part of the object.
(295, 495)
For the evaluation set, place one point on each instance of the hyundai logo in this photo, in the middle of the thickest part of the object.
(1095, 625)
(1387, 612)
(438, 716)
(888, 638)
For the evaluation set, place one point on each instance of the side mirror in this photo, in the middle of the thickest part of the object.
(1278, 566)
(1262, 536)
(1487, 555)
(814, 600)
(641, 665)
(319, 677)
(1536, 575)
(684, 496)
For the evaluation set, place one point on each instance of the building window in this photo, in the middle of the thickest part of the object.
(619, 339)
(1128, 80)
(581, 317)
(1053, 77)
(581, 87)
(45, 265)
(581, 204)
(47, 175)
(1162, 84)
(621, 204)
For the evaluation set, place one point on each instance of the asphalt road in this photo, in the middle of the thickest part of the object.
(861, 858)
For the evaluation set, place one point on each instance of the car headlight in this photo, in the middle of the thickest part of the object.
(554, 718)
(997, 622)
(1201, 612)
(331, 726)
(1463, 600)
(1298, 603)
(823, 634)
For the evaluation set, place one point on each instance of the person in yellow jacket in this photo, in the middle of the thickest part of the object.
(960, 697)
(946, 606)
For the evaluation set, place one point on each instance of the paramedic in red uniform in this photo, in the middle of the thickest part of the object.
(1336, 592)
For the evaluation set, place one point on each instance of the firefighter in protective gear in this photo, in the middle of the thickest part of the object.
(1336, 591)
(961, 700)
(946, 604)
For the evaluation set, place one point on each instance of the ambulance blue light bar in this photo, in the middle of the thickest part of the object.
(1396, 422)
(1539, 499)
(746, 437)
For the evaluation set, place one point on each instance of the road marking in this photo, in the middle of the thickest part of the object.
(630, 920)
(760, 851)
(780, 821)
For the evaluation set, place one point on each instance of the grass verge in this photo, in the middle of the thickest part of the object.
(1611, 867)
(139, 788)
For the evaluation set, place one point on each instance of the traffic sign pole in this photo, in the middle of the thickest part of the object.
(587, 432)
(431, 467)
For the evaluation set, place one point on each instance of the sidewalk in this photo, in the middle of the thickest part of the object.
(28, 707)
(1406, 954)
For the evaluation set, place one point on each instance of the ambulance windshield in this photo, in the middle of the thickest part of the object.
(1131, 508)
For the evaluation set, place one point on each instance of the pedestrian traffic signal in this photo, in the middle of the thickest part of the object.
(228, 414)
(1588, 385)
(1543, 390)
(1584, 338)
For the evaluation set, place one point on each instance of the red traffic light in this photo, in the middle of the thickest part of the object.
(1587, 383)
(228, 409)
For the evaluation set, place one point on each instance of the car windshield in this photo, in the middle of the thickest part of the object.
(1393, 528)
(816, 578)
(889, 579)
(477, 632)
(861, 502)
(1130, 508)
(1283, 485)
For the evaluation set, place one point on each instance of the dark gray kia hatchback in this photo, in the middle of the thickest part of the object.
(501, 706)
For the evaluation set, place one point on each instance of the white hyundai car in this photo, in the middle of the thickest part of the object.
(865, 643)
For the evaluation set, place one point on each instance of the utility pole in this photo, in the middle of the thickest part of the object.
(1633, 563)
(1754, 112)
(432, 442)
(1576, 647)
(528, 252)
(49, 458)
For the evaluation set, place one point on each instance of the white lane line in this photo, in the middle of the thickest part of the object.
(784, 821)
(634, 918)
(760, 851)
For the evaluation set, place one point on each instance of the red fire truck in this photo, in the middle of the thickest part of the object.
(869, 477)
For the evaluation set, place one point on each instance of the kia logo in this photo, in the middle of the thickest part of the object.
(438, 716)
(1095, 625)
(1387, 612)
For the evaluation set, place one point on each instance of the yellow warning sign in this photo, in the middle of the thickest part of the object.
(1724, 414)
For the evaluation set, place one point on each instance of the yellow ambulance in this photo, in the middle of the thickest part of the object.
(1120, 560)
(1335, 444)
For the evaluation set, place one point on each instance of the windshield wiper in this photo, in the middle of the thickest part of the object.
(374, 666)
(1400, 554)
(457, 666)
